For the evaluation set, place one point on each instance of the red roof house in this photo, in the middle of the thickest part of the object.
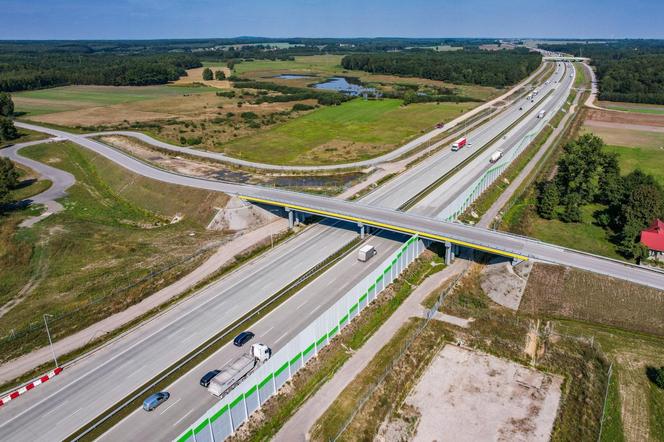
(653, 236)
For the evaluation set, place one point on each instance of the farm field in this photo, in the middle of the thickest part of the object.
(355, 130)
(639, 108)
(96, 257)
(630, 333)
(43, 101)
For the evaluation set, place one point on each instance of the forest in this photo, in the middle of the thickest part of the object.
(28, 65)
(470, 66)
(627, 70)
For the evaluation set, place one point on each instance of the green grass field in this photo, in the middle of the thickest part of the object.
(580, 236)
(115, 230)
(648, 159)
(580, 80)
(639, 108)
(355, 130)
(310, 63)
(43, 101)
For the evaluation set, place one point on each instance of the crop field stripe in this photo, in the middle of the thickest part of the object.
(386, 226)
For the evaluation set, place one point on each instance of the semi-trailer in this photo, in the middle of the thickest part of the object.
(458, 144)
(237, 370)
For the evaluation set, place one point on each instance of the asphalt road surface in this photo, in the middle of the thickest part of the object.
(89, 387)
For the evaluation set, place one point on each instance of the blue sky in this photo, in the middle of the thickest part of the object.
(135, 19)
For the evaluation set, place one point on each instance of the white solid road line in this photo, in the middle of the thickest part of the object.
(169, 407)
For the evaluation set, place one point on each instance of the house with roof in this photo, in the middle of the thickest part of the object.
(653, 239)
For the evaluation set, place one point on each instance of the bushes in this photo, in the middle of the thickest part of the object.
(290, 93)
(297, 107)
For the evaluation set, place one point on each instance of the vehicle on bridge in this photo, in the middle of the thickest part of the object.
(235, 371)
(458, 144)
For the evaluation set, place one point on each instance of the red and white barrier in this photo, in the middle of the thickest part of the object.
(30, 386)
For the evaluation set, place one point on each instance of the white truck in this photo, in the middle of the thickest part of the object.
(541, 113)
(366, 252)
(496, 156)
(235, 371)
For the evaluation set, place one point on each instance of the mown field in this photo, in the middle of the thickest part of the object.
(355, 130)
(112, 245)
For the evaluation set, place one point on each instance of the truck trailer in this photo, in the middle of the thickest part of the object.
(458, 144)
(235, 371)
(366, 252)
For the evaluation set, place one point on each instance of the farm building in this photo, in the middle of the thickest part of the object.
(653, 238)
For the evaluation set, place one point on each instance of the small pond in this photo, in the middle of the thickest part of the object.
(341, 84)
(291, 76)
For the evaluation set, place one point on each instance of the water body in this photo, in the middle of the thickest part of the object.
(292, 76)
(341, 84)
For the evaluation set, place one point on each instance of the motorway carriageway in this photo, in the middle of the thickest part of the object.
(189, 400)
(92, 385)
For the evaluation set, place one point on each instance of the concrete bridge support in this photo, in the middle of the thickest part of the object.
(449, 253)
(362, 232)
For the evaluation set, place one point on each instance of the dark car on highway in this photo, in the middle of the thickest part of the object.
(205, 380)
(242, 338)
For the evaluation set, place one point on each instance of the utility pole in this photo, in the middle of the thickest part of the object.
(49, 339)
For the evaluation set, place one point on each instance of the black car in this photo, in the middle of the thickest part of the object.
(242, 338)
(205, 380)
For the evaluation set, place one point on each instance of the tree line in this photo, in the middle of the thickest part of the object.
(469, 66)
(35, 70)
(587, 174)
(8, 131)
(627, 70)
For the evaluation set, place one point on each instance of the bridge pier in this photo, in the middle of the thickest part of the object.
(290, 218)
(449, 254)
(361, 226)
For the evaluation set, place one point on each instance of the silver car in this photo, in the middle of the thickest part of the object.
(155, 400)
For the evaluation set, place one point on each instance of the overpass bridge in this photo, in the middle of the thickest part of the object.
(504, 244)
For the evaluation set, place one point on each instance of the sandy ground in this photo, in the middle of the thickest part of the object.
(471, 396)
(505, 283)
(196, 75)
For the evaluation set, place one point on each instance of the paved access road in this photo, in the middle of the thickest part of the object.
(89, 387)
(61, 181)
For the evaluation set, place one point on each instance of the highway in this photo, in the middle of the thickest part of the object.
(89, 387)
(447, 192)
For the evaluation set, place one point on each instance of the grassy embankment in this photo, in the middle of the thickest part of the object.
(111, 246)
(639, 108)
